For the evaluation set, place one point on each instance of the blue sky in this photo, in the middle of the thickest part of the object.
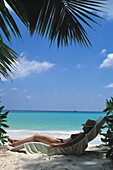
(68, 78)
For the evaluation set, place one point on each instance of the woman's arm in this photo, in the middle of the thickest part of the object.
(73, 141)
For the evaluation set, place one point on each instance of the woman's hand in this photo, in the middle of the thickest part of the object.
(54, 145)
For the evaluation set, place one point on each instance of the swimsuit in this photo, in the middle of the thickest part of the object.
(73, 136)
(61, 140)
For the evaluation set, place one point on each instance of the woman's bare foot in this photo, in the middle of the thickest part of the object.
(12, 144)
(11, 140)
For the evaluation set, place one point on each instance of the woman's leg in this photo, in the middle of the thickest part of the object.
(35, 138)
(12, 140)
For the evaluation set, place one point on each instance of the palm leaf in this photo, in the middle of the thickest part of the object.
(1, 108)
(56, 19)
(7, 20)
(7, 55)
(1, 120)
(2, 131)
(4, 115)
(59, 19)
(4, 125)
(19, 9)
(8, 60)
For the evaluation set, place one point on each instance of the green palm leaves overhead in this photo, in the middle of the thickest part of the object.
(61, 20)
(7, 55)
(7, 22)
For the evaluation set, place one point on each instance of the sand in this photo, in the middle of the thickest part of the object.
(92, 159)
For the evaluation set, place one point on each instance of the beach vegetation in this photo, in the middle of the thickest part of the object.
(108, 134)
(8, 26)
(3, 117)
(62, 20)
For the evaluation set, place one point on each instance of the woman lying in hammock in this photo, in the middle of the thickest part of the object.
(55, 142)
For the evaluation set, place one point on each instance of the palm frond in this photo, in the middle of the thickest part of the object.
(8, 59)
(59, 19)
(6, 20)
(19, 9)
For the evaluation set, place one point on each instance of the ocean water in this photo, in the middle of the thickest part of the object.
(58, 124)
(49, 120)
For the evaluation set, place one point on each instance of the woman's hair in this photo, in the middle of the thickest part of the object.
(89, 129)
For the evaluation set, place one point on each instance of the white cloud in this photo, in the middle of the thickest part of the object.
(65, 69)
(1, 90)
(14, 89)
(28, 97)
(2, 94)
(80, 95)
(50, 98)
(79, 66)
(23, 54)
(24, 90)
(103, 51)
(110, 9)
(26, 68)
(109, 85)
(99, 95)
(108, 62)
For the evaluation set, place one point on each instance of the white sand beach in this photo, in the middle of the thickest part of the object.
(92, 159)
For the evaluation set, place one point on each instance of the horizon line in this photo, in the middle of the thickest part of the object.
(51, 110)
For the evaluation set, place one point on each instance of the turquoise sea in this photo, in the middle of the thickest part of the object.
(50, 120)
(58, 124)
